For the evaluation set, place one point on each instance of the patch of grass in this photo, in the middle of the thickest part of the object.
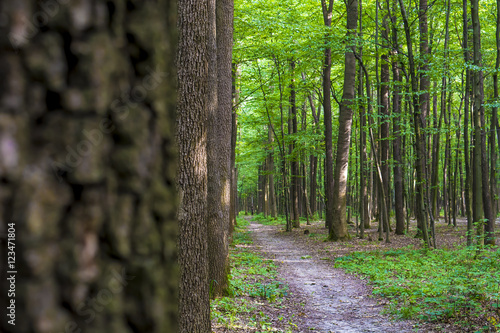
(458, 285)
(241, 222)
(268, 220)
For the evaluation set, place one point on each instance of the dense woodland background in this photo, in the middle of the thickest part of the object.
(406, 91)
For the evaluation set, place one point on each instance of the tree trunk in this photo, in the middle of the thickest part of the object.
(419, 112)
(363, 173)
(398, 160)
(313, 159)
(233, 211)
(385, 120)
(476, 111)
(294, 164)
(327, 106)
(219, 144)
(338, 229)
(270, 156)
(84, 202)
(468, 180)
(192, 179)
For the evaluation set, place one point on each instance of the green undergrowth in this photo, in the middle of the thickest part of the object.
(461, 286)
(268, 220)
(253, 283)
(279, 220)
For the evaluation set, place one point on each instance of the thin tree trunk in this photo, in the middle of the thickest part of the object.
(294, 164)
(327, 107)
(233, 212)
(419, 112)
(384, 121)
(398, 160)
(468, 176)
(476, 111)
(270, 156)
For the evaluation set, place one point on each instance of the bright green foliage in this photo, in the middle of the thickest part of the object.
(268, 220)
(434, 285)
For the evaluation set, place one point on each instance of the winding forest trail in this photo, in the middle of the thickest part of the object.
(334, 301)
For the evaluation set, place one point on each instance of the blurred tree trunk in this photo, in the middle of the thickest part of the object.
(88, 166)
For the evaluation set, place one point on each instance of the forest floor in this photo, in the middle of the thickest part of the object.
(323, 298)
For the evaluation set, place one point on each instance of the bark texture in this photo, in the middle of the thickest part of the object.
(219, 147)
(192, 115)
(88, 164)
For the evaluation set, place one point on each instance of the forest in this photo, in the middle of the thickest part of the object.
(213, 166)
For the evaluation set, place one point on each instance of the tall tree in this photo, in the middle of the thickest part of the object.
(270, 170)
(338, 229)
(327, 111)
(494, 119)
(192, 115)
(477, 109)
(363, 188)
(481, 176)
(468, 178)
(88, 166)
(396, 145)
(233, 211)
(294, 163)
(219, 143)
(384, 116)
(418, 117)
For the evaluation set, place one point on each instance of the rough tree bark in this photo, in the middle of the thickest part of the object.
(88, 166)
(219, 144)
(192, 64)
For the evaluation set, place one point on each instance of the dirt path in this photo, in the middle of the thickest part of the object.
(334, 301)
